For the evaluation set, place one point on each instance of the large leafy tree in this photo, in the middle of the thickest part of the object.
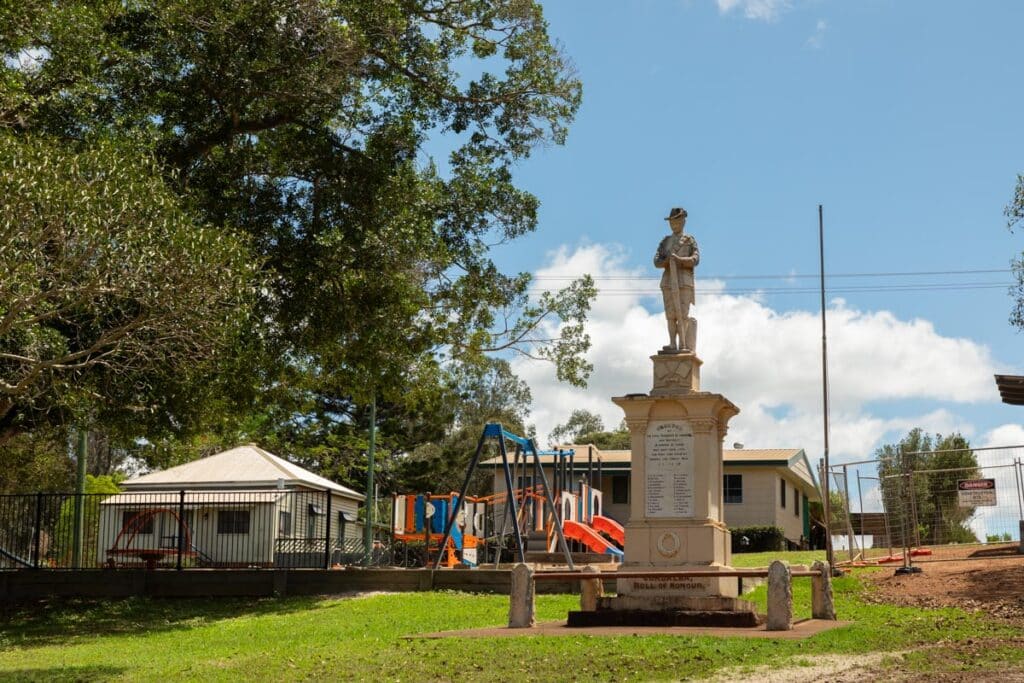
(918, 479)
(581, 421)
(114, 302)
(1014, 219)
(474, 396)
(313, 126)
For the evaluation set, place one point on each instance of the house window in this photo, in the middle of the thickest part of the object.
(142, 525)
(782, 493)
(232, 521)
(314, 512)
(620, 490)
(284, 523)
(796, 502)
(732, 488)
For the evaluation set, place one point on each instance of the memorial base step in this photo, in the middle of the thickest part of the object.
(665, 617)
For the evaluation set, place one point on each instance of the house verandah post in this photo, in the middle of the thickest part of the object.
(181, 526)
(327, 532)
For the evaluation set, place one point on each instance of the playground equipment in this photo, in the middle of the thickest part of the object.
(422, 518)
(531, 509)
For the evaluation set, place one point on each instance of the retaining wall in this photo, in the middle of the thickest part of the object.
(105, 583)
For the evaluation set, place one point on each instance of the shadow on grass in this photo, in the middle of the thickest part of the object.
(45, 622)
(98, 672)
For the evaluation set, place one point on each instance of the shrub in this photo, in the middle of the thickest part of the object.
(759, 539)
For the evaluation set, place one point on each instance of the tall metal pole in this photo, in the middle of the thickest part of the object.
(368, 530)
(824, 389)
(860, 499)
(78, 531)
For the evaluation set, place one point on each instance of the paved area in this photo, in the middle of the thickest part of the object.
(801, 629)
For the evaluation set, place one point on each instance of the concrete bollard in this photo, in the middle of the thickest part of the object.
(822, 605)
(590, 590)
(780, 597)
(521, 609)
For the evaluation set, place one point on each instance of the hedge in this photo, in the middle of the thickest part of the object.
(759, 539)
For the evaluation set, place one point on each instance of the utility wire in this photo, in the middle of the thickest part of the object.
(785, 277)
(923, 287)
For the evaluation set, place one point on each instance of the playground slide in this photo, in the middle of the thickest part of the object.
(610, 527)
(589, 537)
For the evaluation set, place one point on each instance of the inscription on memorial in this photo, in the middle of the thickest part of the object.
(668, 467)
(668, 586)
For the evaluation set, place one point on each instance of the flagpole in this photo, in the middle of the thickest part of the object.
(829, 556)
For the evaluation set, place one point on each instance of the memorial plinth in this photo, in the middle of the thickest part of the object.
(675, 517)
(676, 432)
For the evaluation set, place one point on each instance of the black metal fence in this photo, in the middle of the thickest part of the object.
(273, 528)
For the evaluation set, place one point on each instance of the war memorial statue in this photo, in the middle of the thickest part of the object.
(677, 256)
(675, 515)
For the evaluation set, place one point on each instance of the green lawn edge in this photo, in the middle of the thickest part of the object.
(363, 638)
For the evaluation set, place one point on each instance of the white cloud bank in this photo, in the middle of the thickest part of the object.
(768, 363)
(760, 10)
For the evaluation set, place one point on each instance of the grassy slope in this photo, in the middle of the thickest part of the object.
(361, 639)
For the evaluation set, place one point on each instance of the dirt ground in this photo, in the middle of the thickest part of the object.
(986, 579)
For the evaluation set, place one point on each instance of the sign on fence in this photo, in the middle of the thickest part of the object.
(976, 492)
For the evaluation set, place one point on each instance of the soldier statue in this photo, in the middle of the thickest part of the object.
(677, 255)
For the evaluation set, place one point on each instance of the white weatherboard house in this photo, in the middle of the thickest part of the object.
(760, 487)
(239, 508)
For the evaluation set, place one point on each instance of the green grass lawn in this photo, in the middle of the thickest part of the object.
(807, 557)
(362, 639)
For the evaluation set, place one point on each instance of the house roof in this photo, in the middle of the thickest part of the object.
(793, 458)
(246, 466)
(193, 498)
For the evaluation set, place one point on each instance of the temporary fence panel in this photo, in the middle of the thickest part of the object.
(935, 501)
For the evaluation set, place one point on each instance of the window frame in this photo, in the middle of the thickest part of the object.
(285, 523)
(235, 526)
(620, 488)
(782, 492)
(733, 500)
(148, 527)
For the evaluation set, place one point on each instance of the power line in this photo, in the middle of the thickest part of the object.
(794, 276)
(923, 287)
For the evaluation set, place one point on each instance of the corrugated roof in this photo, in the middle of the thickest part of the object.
(759, 454)
(173, 498)
(728, 455)
(244, 466)
(619, 460)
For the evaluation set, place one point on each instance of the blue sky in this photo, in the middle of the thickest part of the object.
(901, 118)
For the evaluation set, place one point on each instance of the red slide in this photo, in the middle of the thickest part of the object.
(589, 537)
(610, 527)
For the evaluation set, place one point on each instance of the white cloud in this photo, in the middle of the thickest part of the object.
(1004, 516)
(768, 363)
(817, 38)
(760, 10)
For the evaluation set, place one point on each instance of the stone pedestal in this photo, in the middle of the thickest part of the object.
(675, 519)
(674, 372)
